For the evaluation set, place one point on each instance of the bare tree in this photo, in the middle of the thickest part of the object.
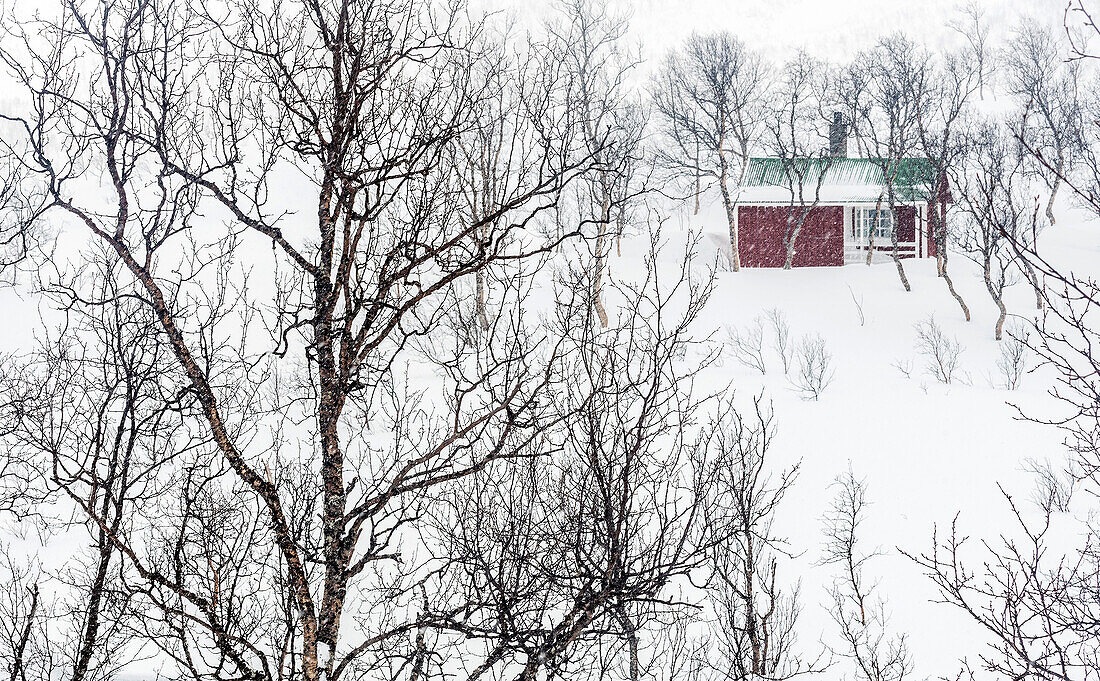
(290, 516)
(613, 124)
(973, 24)
(884, 90)
(941, 354)
(1035, 596)
(941, 126)
(1048, 125)
(586, 538)
(24, 645)
(1034, 602)
(1046, 86)
(1015, 357)
(756, 611)
(859, 612)
(813, 367)
(709, 96)
(999, 215)
(798, 135)
(781, 336)
(747, 345)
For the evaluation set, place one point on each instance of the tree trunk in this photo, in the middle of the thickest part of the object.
(631, 634)
(1053, 192)
(1033, 279)
(483, 317)
(939, 235)
(601, 239)
(479, 279)
(894, 243)
(731, 215)
(871, 234)
(18, 670)
(993, 293)
(792, 237)
(954, 293)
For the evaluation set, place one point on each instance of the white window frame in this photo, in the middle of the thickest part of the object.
(882, 219)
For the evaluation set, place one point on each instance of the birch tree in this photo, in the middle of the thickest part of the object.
(280, 195)
(798, 136)
(708, 96)
(943, 141)
(885, 89)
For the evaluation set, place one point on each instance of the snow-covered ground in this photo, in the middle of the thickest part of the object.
(926, 450)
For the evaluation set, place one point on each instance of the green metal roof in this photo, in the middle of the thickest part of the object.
(913, 180)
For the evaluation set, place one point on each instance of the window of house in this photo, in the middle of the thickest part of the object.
(881, 220)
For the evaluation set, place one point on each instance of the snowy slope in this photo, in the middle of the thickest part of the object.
(926, 450)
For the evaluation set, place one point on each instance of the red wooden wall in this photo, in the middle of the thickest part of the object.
(907, 224)
(760, 237)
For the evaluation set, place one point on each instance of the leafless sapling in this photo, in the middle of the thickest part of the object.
(747, 345)
(781, 336)
(814, 370)
(756, 608)
(859, 611)
(941, 354)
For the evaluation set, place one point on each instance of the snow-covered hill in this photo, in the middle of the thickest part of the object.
(927, 451)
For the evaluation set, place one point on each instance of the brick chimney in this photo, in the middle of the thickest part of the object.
(838, 136)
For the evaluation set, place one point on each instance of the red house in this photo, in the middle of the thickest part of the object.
(852, 203)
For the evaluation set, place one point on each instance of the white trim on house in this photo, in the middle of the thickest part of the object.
(855, 245)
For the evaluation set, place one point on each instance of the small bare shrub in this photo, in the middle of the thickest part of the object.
(1015, 353)
(747, 345)
(1054, 486)
(941, 353)
(905, 366)
(813, 367)
(781, 337)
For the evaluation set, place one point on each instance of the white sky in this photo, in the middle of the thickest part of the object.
(831, 29)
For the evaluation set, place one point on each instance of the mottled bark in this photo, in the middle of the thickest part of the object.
(894, 246)
(731, 211)
(790, 237)
(995, 294)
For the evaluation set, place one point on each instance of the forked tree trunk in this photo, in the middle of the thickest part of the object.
(997, 298)
(792, 238)
(1054, 188)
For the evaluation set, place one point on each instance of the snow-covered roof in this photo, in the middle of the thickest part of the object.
(846, 180)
